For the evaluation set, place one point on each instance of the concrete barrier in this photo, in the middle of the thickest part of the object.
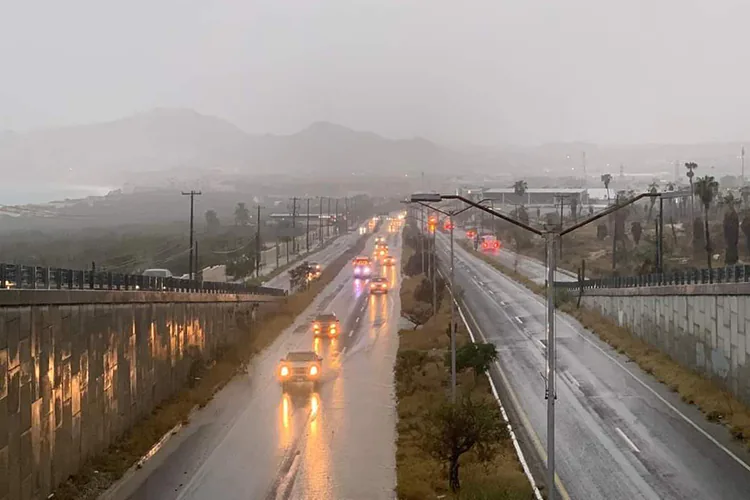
(77, 369)
(702, 327)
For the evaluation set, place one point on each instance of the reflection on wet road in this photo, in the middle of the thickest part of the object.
(255, 441)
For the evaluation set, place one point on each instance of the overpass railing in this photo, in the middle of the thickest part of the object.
(56, 278)
(729, 274)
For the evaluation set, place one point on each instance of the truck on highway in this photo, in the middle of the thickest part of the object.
(300, 367)
(362, 267)
(326, 324)
(489, 242)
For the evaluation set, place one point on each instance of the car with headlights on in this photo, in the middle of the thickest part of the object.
(300, 367)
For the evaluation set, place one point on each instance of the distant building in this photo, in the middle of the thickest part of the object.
(535, 196)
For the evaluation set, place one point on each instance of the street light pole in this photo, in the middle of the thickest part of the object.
(434, 276)
(550, 394)
(453, 323)
(550, 245)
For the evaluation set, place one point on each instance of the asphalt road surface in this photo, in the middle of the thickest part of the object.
(528, 266)
(323, 257)
(252, 441)
(619, 433)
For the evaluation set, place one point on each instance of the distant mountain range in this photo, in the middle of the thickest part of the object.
(131, 149)
(166, 146)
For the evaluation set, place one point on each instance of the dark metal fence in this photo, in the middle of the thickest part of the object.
(730, 274)
(55, 278)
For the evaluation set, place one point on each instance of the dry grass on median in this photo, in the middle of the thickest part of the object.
(717, 404)
(422, 382)
(100, 472)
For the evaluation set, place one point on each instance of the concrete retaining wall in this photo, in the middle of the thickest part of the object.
(703, 327)
(79, 368)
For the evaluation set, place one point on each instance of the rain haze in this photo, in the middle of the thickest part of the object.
(482, 72)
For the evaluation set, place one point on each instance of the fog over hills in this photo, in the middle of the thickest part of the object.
(170, 147)
(176, 139)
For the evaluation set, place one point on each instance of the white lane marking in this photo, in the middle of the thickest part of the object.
(490, 292)
(502, 302)
(519, 452)
(285, 484)
(627, 440)
(541, 344)
(626, 370)
(519, 319)
(343, 351)
(357, 320)
(573, 379)
(351, 333)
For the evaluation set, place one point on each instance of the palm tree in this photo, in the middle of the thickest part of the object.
(574, 208)
(653, 188)
(745, 195)
(519, 188)
(606, 179)
(241, 215)
(706, 189)
(212, 221)
(690, 166)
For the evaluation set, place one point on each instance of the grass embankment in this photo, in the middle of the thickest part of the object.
(207, 379)
(717, 404)
(423, 383)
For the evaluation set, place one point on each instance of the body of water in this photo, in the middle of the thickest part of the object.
(23, 194)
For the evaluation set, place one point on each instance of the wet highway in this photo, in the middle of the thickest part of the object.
(323, 257)
(619, 434)
(252, 441)
(528, 266)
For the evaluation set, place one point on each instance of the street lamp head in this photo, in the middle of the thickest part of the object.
(425, 197)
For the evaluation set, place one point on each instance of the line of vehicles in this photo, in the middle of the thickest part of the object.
(306, 366)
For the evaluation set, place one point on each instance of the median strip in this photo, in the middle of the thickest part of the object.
(422, 376)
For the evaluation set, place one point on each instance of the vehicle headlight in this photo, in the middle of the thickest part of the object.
(316, 326)
(367, 269)
(284, 371)
(313, 370)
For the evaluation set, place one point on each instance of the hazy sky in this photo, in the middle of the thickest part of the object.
(489, 71)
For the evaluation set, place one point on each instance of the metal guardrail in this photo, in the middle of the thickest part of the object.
(55, 278)
(729, 274)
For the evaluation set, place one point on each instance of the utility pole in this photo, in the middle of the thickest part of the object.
(257, 245)
(583, 160)
(294, 226)
(346, 213)
(742, 160)
(196, 261)
(320, 220)
(336, 212)
(192, 195)
(307, 227)
(328, 222)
